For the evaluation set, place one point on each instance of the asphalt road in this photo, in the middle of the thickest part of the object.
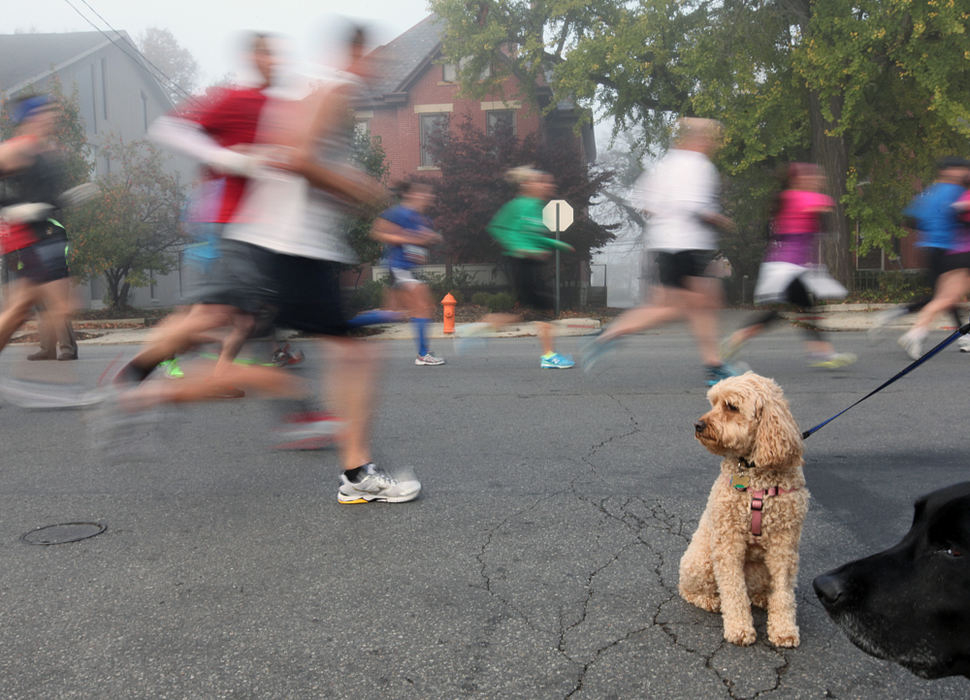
(540, 562)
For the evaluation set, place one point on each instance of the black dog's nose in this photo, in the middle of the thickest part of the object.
(699, 426)
(830, 589)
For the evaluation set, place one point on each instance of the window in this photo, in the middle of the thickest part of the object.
(449, 71)
(432, 126)
(500, 120)
(104, 88)
(144, 109)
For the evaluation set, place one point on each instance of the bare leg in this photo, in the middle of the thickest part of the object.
(546, 337)
(701, 303)
(351, 383)
(22, 296)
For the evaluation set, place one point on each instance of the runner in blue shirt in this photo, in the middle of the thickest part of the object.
(406, 233)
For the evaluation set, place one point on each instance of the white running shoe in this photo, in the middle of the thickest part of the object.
(964, 343)
(429, 359)
(377, 485)
(912, 343)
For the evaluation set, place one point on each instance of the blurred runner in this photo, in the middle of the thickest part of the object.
(680, 198)
(789, 272)
(518, 228)
(932, 214)
(406, 234)
(32, 240)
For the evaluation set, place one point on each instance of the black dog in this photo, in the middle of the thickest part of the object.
(911, 603)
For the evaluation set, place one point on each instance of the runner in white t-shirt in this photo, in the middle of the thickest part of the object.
(680, 199)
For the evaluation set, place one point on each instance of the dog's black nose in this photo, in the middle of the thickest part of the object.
(830, 589)
(699, 426)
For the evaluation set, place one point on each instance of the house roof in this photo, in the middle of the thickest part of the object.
(400, 60)
(31, 57)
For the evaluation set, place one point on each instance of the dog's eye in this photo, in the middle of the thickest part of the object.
(952, 551)
(731, 407)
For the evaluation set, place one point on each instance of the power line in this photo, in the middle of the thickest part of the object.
(121, 46)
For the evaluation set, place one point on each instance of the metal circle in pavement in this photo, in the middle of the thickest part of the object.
(63, 533)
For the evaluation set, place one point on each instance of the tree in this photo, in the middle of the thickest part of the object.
(472, 188)
(175, 67)
(368, 154)
(133, 228)
(873, 90)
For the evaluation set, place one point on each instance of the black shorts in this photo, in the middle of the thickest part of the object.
(956, 261)
(40, 262)
(295, 292)
(529, 280)
(673, 269)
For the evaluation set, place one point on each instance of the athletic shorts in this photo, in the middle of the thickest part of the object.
(529, 279)
(673, 268)
(400, 276)
(956, 261)
(40, 262)
(295, 292)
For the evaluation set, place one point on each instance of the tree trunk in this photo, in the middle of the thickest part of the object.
(830, 152)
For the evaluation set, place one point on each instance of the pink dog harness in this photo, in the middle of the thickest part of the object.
(740, 483)
(758, 503)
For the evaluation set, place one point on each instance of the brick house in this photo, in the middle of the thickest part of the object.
(417, 93)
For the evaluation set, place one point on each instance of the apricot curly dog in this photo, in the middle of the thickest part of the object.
(745, 549)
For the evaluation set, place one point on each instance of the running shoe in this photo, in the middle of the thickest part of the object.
(594, 351)
(720, 372)
(883, 319)
(286, 356)
(964, 343)
(377, 485)
(470, 338)
(171, 368)
(833, 361)
(730, 348)
(309, 430)
(556, 361)
(428, 359)
(912, 343)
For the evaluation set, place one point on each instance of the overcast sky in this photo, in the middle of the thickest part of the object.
(207, 27)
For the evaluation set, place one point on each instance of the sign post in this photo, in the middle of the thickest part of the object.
(557, 215)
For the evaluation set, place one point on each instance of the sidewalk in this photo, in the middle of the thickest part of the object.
(836, 317)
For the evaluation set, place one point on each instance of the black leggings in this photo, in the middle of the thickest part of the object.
(798, 296)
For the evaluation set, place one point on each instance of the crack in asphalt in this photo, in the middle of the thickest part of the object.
(642, 520)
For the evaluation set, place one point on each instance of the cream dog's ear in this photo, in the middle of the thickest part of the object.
(778, 442)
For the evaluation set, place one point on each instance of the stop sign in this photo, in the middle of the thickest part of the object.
(557, 211)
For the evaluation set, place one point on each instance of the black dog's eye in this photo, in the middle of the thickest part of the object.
(952, 551)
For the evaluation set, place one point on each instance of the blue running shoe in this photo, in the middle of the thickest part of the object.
(556, 361)
(718, 372)
(595, 350)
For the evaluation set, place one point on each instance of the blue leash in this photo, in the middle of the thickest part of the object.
(962, 330)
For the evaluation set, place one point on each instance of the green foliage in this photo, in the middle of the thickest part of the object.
(369, 295)
(891, 286)
(873, 90)
(133, 227)
(459, 284)
(502, 301)
(368, 153)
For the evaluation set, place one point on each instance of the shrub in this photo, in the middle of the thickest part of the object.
(503, 301)
(369, 295)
